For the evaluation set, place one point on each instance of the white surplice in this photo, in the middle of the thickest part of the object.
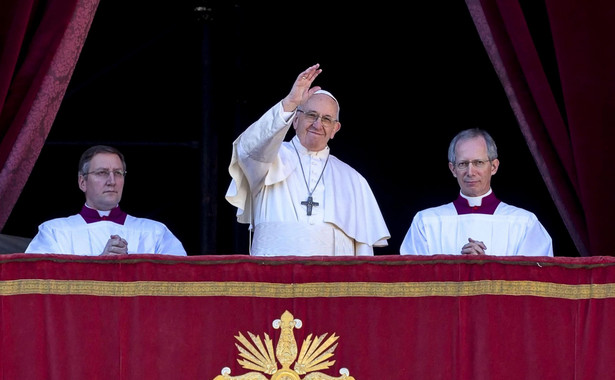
(72, 235)
(268, 186)
(510, 231)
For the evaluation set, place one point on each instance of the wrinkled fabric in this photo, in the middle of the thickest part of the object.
(72, 235)
(268, 186)
(510, 231)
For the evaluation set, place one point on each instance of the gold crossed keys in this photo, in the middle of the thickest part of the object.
(259, 358)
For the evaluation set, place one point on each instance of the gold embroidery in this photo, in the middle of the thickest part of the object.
(307, 290)
(258, 356)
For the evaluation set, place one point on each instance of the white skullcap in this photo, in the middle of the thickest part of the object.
(332, 97)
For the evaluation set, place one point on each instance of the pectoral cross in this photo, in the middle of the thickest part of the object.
(309, 203)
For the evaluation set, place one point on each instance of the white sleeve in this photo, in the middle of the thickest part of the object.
(415, 241)
(254, 151)
(170, 245)
(537, 241)
(44, 241)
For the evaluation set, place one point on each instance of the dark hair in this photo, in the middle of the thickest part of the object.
(492, 149)
(86, 157)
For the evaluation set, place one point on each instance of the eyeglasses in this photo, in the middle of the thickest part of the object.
(478, 164)
(104, 173)
(312, 116)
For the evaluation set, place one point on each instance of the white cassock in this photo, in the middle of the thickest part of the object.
(268, 186)
(509, 231)
(72, 235)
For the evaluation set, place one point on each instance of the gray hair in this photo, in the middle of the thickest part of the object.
(492, 149)
(86, 157)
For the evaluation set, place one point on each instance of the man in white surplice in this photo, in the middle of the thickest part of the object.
(476, 223)
(101, 227)
(298, 198)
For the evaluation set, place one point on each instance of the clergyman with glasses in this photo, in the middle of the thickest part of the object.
(476, 223)
(299, 199)
(101, 227)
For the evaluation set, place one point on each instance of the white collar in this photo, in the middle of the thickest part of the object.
(475, 201)
(322, 154)
(101, 213)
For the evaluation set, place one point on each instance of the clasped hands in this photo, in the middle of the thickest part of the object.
(473, 247)
(116, 245)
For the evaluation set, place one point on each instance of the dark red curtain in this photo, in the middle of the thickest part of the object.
(40, 42)
(565, 108)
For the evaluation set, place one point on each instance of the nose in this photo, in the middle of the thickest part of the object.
(111, 178)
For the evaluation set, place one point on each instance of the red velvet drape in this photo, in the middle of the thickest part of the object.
(569, 143)
(397, 317)
(40, 42)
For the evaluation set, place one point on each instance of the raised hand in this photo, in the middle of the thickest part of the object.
(301, 90)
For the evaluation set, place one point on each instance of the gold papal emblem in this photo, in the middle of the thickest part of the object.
(258, 356)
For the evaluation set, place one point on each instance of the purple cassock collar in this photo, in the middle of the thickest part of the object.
(91, 216)
(488, 205)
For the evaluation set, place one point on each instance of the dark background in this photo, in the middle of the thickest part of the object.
(172, 84)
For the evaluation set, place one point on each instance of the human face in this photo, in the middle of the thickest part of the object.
(473, 181)
(314, 136)
(103, 193)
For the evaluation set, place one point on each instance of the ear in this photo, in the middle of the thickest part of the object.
(495, 164)
(337, 127)
(451, 167)
(295, 121)
(82, 183)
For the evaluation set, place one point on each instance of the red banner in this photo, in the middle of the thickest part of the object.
(383, 317)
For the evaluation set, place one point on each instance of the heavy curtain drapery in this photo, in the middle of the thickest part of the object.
(565, 108)
(40, 42)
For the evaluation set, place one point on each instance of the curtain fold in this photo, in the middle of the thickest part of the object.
(40, 44)
(584, 42)
(568, 143)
